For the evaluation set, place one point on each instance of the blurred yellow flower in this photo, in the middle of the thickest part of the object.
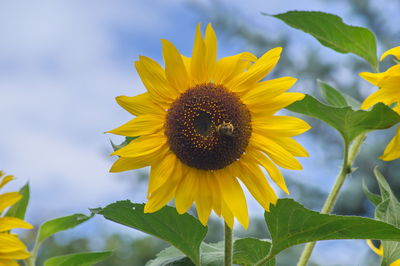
(203, 123)
(11, 248)
(379, 251)
(389, 93)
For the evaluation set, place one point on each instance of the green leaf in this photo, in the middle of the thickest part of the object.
(373, 198)
(388, 211)
(78, 259)
(248, 251)
(182, 231)
(290, 224)
(123, 144)
(170, 256)
(51, 227)
(355, 104)
(331, 32)
(19, 209)
(331, 95)
(337, 98)
(348, 122)
(386, 191)
(213, 254)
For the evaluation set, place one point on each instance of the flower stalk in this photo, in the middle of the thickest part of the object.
(350, 154)
(228, 246)
(31, 261)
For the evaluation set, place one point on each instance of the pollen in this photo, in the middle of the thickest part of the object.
(208, 127)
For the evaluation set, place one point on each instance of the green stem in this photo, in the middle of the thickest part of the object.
(348, 159)
(228, 246)
(32, 259)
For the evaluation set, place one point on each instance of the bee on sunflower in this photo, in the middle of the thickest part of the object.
(11, 248)
(204, 124)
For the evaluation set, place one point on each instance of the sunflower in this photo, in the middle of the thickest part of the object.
(11, 248)
(204, 124)
(389, 94)
(379, 251)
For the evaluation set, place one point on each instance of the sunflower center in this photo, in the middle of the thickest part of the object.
(208, 127)
(203, 124)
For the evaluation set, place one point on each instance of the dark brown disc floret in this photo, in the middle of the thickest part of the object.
(208, 127)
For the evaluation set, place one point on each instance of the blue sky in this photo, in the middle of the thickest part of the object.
(62, 63)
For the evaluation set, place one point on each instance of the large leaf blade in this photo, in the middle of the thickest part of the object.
(182, 231)
(331, 32)
(348, 122)
(290, 224)
(78, 259)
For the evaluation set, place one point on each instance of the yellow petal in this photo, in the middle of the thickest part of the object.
(125, 164)
(392, 150)
(229, 67)
(8, 263)
(270, 167)
(275, 104)
(227, 214)
(394, 51)
(253, 178)
(373, 78)
(139, 105)
(160, 171)
(391, 80)
(141, 146)
(155, 81)
(282, 126)
(10, 243)
(204, 199)
(268, 89)
(256, 72)
(16, 255)
(141, 125)
(381, 96)
(198, 67)
(397, 108)
(187, 61)
(279, 155)
(233, 197)
(378, 251)
(8, 199)
(215, 189)
(211, 48)
(8, 223)
(291, 146)
(174, 67)
(5, 180)
(164, 194)
(186, 190)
